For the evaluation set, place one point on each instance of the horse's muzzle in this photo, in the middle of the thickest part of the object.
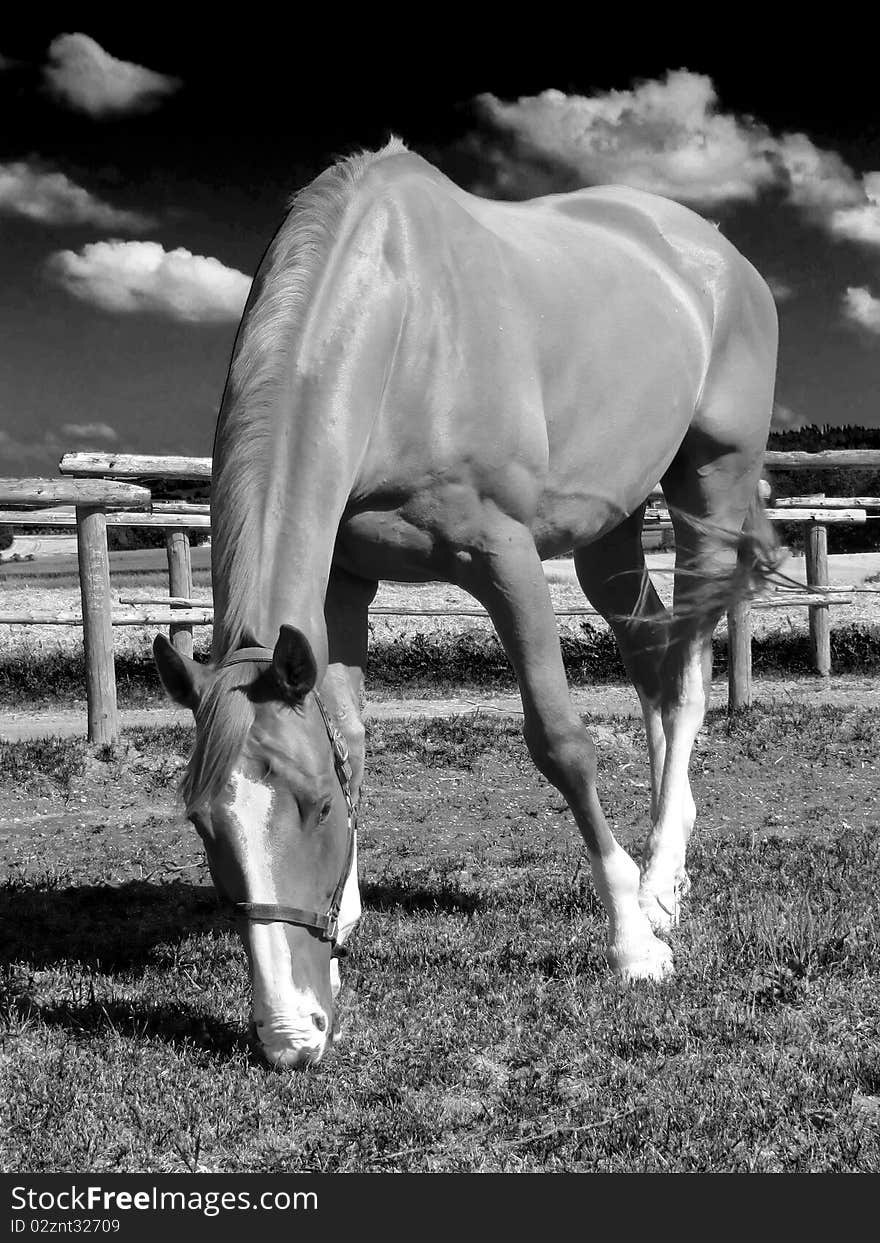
(284, 1054)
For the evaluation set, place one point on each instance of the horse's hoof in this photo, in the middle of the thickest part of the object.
(661, 911)
(650, 959)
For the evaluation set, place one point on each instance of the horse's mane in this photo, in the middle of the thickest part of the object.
(247, 427)
(244, 452)
(224, 715)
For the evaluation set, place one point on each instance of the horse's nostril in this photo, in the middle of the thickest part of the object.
(320, 1021)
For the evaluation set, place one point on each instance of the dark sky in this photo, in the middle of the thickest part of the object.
(256, 113)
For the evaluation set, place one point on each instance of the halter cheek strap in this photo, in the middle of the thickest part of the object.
(326, 924)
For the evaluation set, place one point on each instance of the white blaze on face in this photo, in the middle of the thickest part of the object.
(250, 811)
(283, 1014)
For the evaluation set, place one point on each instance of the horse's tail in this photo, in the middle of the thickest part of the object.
(759, 555)
(753, 567)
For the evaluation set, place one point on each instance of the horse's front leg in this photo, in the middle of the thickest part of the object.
(506, 575)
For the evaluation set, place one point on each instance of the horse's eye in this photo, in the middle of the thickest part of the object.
(325, 810)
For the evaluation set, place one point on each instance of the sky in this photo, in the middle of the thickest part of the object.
(144, 168)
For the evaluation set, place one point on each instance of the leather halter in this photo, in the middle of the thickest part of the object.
(326, 924)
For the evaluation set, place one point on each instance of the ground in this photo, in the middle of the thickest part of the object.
(481, 1028)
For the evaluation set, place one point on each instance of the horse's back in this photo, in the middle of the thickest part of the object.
(551, 356)
(596, 225)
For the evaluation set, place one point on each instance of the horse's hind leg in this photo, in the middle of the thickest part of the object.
(715, 486)
(614, 577)
(713, 479)
(506, 575)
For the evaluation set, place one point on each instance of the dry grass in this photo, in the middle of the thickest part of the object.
(482, 1031)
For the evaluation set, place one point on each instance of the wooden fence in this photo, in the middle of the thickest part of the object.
(91, 500)
(118, 490)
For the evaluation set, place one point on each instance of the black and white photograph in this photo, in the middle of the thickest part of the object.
(439, 609)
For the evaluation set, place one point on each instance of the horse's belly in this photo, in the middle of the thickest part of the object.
(385, 544)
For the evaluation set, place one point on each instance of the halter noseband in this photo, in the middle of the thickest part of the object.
(327, 924)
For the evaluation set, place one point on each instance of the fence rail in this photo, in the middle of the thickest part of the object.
(134, 466)
(100, 489)
(41, 493)
(796, 459)
(162, 519)
(138, 465)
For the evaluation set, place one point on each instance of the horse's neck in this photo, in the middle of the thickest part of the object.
(289, 460)
(276, 529)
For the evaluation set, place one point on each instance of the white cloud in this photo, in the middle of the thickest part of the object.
(89, 431)
(142, 276)
(84, 77)
(785, 417)
(663, 136)
(11, 450)
(52, 198)
(18, 455)
(781, 290)
(862, 308)
(819, 181)
(862, 222)
(667, 136)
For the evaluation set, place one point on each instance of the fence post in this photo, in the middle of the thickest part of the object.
(180, 584)
(94, 585)
(739, 656)
(817, 576)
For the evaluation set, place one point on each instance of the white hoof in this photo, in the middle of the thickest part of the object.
(649, 959)
(661, 909)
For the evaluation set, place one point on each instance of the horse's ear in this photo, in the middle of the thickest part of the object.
(183, 679)
(293, 664)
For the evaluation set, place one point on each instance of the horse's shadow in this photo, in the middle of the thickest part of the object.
(396, 896)
(178, 1024)
(117, 930)
(112, 928)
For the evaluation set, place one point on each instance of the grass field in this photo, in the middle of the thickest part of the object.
(481, 1030)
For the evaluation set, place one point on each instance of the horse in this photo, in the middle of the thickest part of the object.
(428, 385)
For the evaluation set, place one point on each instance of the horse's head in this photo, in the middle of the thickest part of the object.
(267, 789)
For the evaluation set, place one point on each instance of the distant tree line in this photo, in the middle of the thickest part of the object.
(119, 539)
(832, 480)
(815, 438)
(126, 539)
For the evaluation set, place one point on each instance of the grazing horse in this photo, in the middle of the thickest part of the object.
(427, 385)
